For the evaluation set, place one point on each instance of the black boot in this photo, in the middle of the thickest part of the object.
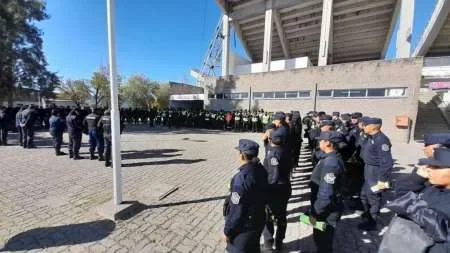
(77, 157)
(107, 164)
(92, 157)
(369, 224)
(101, 158)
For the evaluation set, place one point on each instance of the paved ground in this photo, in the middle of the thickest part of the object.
(48, 203)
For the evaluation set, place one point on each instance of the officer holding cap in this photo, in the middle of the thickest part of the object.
(326, 184)
(377, 171)
(244, 208)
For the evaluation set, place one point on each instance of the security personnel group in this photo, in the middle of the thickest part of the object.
(352, 170)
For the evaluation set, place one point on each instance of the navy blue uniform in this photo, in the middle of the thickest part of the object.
(105, 124)
(75, 130)
(378, 167)
(95, 134)
(326, 202)
(278, 167)
(57, 126)
(245, 214)
(28, 119)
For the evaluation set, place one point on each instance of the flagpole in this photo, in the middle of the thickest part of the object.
(115, 115)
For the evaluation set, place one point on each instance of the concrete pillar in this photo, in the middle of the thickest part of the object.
(268, 28)
(326, 33)
(226, 45)
(405, 29)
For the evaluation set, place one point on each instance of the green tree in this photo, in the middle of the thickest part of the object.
(22, 61)
(78, 91)
(162, 96)
(140, 91)
(99, 87)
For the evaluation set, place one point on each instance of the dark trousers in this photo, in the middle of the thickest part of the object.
(353, 178)
(371, 201)
(254, 126)
(276, 212)
(107, 140)
(96, 141)
(57, 140)
(74, 143)
(246, 242)
(20, 133)
(3, 135)
(28, 134)
(324, 240)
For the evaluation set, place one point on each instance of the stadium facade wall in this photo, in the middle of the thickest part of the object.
(384, 89)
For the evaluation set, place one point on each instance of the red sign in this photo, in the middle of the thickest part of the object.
(439, 85)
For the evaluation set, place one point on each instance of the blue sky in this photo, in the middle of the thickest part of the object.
(160, 39)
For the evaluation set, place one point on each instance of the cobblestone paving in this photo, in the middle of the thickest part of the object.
(48, 203)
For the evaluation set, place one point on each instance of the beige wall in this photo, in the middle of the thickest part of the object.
(372, 74)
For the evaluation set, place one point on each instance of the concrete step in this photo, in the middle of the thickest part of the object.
(429, 120)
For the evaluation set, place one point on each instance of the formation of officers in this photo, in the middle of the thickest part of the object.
(96, 123)
(352, 167)
(239, 120)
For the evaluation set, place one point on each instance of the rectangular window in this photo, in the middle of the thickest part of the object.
(235, 95)
(341, 93)
(291, 94)
(376, 92)
(280, 94)
(226, 96)
(244, 95)
(304, 94)
(219, 96)
(358, 93)
(211, 96)
(257, 95)
(325, 93)
(396, 92)
(268, 94)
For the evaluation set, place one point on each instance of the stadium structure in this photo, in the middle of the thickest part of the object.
(330, 55)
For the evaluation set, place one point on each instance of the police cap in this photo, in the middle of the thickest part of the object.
(436, 138)
(248, 147)
(330, 136)
(441, 158)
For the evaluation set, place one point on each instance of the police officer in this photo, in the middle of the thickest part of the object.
(237, 121)
(426, 205)
(57, 126)
(74, 124)
(95, 135)
(377, 171)
(433, 141)
(105, 124)
(255, 121)
(4, 125)
(18, 122)
(278, 166)
(28, 120)
(326, 202)
(244, 208)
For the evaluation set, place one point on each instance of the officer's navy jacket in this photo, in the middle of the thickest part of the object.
(430, 209)
(378, 157)
(278, 165)
(56, 124)
(325, 184)
(247, 200)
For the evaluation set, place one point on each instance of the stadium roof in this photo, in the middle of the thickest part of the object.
(435, 40)
(361, 30)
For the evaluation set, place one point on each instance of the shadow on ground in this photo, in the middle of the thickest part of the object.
(41, 238)
(164, 162)
(151, 153)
